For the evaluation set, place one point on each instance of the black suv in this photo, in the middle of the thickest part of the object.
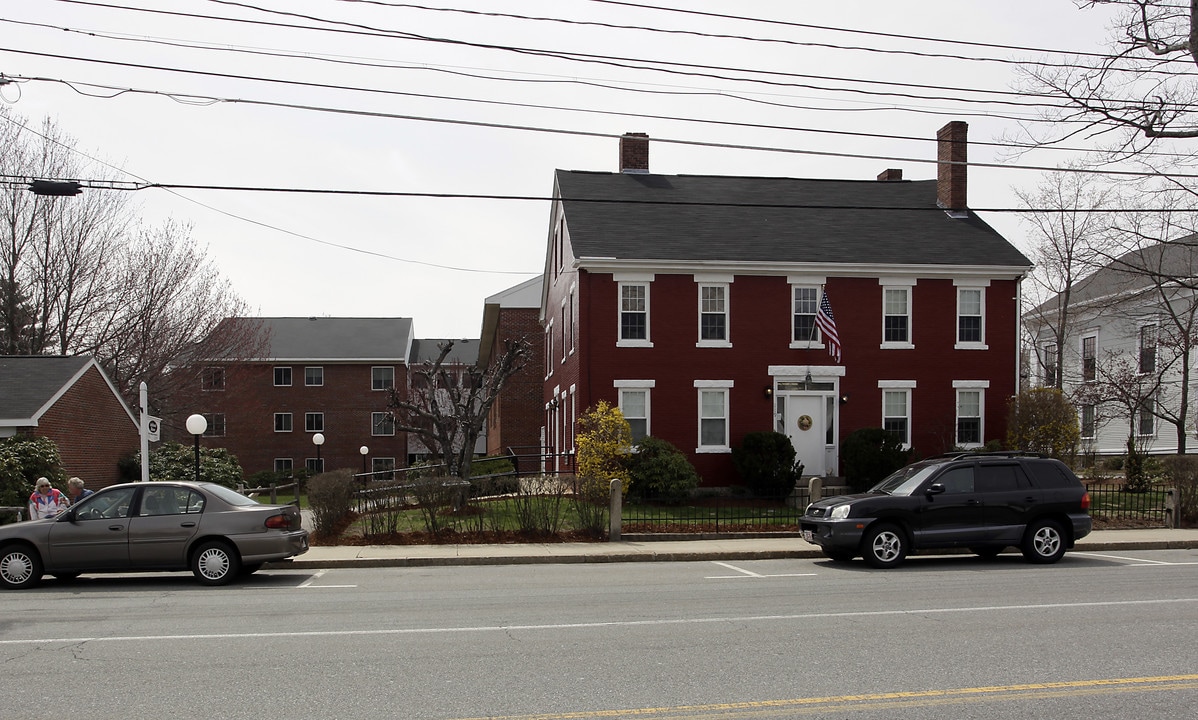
(983, 501)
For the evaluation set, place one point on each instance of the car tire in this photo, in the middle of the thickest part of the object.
(215, 563)
(884, 546)
(1043, 542)
(20, 567)
(840, 556)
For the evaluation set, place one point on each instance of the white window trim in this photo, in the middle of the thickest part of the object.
(726, 386)
(381, 367)
(645, 385)
(1140, 347)
(818, 342)
(1081, 357)
(321, 414)
(374, 426)
(980, 387)
(971, 285)
(549, 349)
(314, 367)
(291, 375)
(906, 285)
(727, 341)
(573, 319)
(276, 422)
(906, 386)
(621, 283)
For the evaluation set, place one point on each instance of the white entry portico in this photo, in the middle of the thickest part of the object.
(807, 410)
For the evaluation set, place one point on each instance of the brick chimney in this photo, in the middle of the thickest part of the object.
(890, 175)
(951, 144)
(634, 153)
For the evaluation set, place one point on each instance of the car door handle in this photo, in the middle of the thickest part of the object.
(187, 524)
(1029, 499)
(116, 528)
(974, 502)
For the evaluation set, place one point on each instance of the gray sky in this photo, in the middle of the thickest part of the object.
(416, 104)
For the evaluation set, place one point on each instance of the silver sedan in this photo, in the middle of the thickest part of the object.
(215, 532)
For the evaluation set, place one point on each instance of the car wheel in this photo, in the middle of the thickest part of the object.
(884, 546)
(215, 563)
(20, 567)
(1043, 542)
(986, 552)
(838, 555)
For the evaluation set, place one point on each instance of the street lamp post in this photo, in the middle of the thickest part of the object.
(197, 425)
(365, 451)
(318, 440)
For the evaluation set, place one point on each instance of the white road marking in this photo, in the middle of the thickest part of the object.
(307, 584)
(915, 612)
(1135, 561)
(749, 573)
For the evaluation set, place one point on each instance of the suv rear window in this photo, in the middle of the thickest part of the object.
(1050, 474)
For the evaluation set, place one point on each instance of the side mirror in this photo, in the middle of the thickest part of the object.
(934, 489)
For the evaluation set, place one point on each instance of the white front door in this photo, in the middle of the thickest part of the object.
(805, 425)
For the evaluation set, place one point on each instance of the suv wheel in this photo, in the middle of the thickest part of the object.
(884, 546)
(1043, 542)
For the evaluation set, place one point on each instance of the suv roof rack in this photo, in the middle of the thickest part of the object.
(988, 454)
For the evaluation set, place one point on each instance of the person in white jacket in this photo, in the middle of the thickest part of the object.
(46, 501)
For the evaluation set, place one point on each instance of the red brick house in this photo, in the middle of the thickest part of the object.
(326, 376)
(515, 421)
(694, 302)
(72, 402)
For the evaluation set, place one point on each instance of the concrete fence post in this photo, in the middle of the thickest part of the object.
(617, 496)
(815, 489)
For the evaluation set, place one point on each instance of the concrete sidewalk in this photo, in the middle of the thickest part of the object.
(657, 550)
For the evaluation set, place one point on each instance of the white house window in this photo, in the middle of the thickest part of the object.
(896, 317)
(969, 316)
(549, 350)
(282, 376)
(1089, 358)
(282, 422)
(314, 422)
(969, 418)
(314, 465)
(634, 404)
(1087, 422)
(382, 377)
(382, 423)
(383, 468)
(896, 408)
(283, 466)
(713, 415)
(314, 376)
(1146, 427)
(634, 311)
(804, 307)
(1050, 365)
(713, 314)
(1148, 349)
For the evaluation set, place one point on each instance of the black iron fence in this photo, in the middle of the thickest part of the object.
(1114, 505)
(712, 514)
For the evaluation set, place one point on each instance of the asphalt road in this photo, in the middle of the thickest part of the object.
(1109, 635)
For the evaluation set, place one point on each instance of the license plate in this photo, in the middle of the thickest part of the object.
(808, 536)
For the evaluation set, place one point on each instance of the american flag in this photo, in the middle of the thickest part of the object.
(827, 325)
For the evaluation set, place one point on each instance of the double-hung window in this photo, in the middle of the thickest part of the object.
(282, 376)
(216, 424)
(804, 305)
(971, 403)
(1088, 422)
(284, 466)
(212, 378)
(314, 422)
(713, 415)
(1089, 358)
(283, 422)
(1148, 349)
(634, 323)
(1146, 425)
(1050, 365)
(896, 316)
(896, 408)
(713, 314)
(382, 423)
(971, 313)
(634, 405)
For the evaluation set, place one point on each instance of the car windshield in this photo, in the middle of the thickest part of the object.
(230, 496)
(906, 480)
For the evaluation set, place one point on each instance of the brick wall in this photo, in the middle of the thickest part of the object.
(92, 431)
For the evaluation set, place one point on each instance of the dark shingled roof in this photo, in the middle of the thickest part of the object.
(28, 382)
(465, 351)
(337, 338)
(842, 221)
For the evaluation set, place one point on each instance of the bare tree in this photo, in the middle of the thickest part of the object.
(1068, 232)
(81, 275)
(1141, 91)
(448, 403)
